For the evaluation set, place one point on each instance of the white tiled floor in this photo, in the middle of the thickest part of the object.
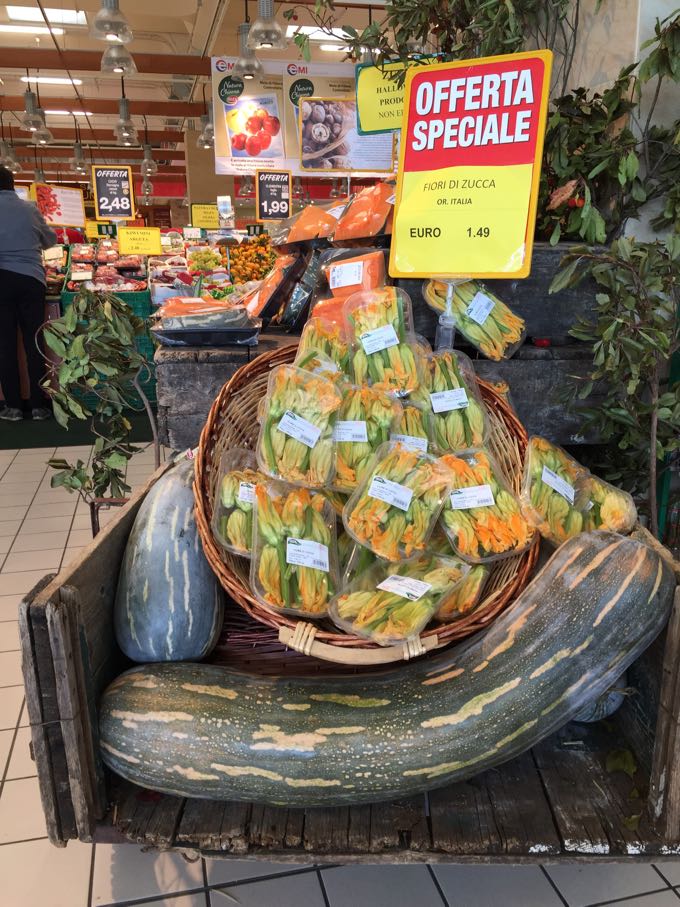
(40, 530)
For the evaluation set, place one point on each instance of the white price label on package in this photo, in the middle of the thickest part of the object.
(306, 553)
(379, 339)
(445, 401)
(54, 253)
(558, 484)
(390, 493)
(299, 428)
(474, 496)
(410, 441)
(246, 492)
(480, 308)
(336, 212)
(350, 430)
(347, 275)
(405, 586)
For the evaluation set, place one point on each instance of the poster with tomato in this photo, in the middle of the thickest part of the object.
(61, 207)
(254, 127)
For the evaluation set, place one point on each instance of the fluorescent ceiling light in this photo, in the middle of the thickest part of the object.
(52, 80)
(334, 48)
(30, 29)
(316, 34)
(69, 113)
(57, 16)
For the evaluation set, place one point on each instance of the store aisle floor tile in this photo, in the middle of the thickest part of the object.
(584, 884)
(122, 873)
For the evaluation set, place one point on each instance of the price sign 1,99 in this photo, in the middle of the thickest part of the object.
(273, 190)
(113, 192)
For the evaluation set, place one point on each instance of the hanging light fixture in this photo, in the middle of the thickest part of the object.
(42, 136)
(77, 162)
(30, 122)
(298, 191)
(110, 24)
(149, 167)
(39, 175)
(265, 32)
(125, 130)
(147, 188)
(117, 58)
(247, 66)
(7, 153)
(335, 189)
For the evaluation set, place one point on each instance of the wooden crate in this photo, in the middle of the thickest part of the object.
(556, 802)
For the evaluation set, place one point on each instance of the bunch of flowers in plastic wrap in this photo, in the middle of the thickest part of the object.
(232, 521)
(364, 422)
(553, 495)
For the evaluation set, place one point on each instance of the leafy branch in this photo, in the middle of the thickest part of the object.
(95, 341)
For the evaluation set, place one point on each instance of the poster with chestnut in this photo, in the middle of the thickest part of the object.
(330, 141)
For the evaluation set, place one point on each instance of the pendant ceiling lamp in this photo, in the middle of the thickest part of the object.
(110, 24)
(149, 167)
(125, 130)
(8, 156)
(30, 122)
(247, 66)
(147, 188)
(77, 162)
(117, 58)
(265, 32)
(39, 175)
(42, 136)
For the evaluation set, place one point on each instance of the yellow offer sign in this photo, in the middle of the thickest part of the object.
(469, 167)
(205, 216)
(139, 240)
(380, 100)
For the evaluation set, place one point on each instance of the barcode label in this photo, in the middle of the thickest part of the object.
(410, 441)
(480, 308)
(296, 427)
(405, 586)
(350, 430)
(346, 275)
(474, 496)
(306, 553)
(390, 492)
(379, 339)
(558, 484)
(246, 492)
(445, 401)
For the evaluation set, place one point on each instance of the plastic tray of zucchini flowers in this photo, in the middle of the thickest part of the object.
(369, 498)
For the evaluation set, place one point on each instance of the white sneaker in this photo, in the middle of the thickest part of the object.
(10, 414)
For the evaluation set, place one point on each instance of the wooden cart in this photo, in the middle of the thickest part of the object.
(558, 801)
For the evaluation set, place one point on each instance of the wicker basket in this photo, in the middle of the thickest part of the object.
(232, 422)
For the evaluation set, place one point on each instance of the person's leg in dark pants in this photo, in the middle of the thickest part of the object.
(9, 363)
(31, 314)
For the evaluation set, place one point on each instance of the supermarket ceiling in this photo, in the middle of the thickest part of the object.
(172, 43)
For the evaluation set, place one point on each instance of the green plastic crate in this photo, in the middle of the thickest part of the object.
(140, 303)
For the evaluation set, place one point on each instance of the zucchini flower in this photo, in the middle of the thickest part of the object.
(239, 529)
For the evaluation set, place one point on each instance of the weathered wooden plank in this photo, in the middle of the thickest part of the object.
(267, 826)
(326, 830)
(592, 808)
(69, 688)
(45, 737)
(146, 817)
(295, 826)
(501, 811)
(359, 831)
(400, 826)
(200, 825)
(664, 790)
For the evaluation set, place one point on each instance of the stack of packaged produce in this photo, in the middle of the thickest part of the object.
(102, 268)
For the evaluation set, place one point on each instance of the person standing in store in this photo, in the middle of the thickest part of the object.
(23, 234)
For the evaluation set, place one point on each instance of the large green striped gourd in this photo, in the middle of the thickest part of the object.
(169, 604)
(205, 731)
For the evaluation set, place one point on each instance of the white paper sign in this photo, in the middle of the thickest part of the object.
(379, 339)
(445, 401)
(410, 441)
(54, 253)
(82, 274)
(306, 553)
(405, 586)
(474, 496)
(350, 430)
(246, 492)
(346, 275)
(390, 492)
(558, 484)
(480, 308)
(299, 428)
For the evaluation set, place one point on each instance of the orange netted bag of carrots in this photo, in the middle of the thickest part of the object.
(331, 309)
(358, 272)
(180, 306)
(367, 213)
